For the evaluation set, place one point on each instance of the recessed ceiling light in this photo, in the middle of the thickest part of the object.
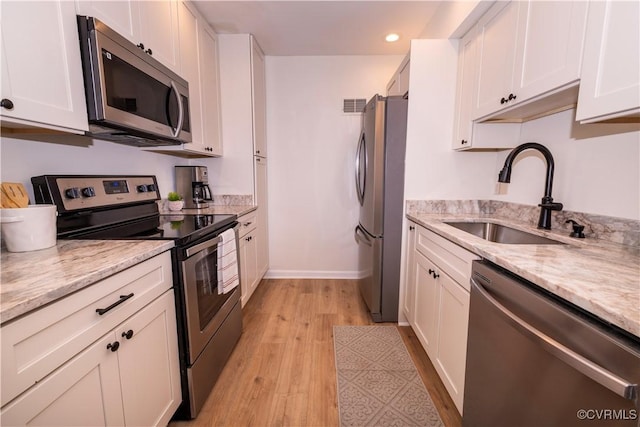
(392, 37)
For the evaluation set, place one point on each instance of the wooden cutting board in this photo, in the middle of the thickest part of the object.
(13, 195)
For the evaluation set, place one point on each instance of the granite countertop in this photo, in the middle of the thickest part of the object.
(32, 279)
(600, 277)
(29, 280)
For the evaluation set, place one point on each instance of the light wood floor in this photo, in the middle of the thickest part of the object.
(282, 372)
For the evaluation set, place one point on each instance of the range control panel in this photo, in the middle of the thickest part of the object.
(87, 192)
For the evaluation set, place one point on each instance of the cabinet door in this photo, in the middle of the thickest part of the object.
(41, 71)
(549, 46)
(496, 55)
(453, 321)
(122, 16)
(190, 70)
(262, 233)
(610, 80)
(83, 392)
(158, 30)
(210, 87)
(259, 100)
(403, 79)
(426, 315)
(154, 24)
(392, 86)
(148, 360)
(248, 265)
(466, 86)
(409, 302)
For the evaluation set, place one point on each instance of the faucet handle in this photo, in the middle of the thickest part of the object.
(577, 229)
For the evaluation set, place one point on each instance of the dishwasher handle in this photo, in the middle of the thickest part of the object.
(592, 370)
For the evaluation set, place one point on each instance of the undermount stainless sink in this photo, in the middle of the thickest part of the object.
(502, 234)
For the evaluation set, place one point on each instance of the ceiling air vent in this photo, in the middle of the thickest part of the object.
(353, 105)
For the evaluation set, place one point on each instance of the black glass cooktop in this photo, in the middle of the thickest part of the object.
(183, 228)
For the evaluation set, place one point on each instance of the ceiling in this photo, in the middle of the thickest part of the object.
(325, 27)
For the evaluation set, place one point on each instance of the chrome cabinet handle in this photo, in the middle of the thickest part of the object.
(602, 376)
(180, 110)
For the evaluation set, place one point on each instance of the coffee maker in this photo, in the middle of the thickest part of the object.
(192, 182)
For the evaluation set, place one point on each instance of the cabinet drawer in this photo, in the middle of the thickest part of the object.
(455, 260)
(38, 343)
(247, 223)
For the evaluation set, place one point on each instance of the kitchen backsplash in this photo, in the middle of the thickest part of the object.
(617, 230)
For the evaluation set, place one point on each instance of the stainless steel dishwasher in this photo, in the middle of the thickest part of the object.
(536, 360)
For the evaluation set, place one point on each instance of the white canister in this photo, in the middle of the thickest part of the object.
(28, 229)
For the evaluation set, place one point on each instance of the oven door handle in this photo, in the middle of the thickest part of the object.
(202, 246)
(209, 243)
(601, 375)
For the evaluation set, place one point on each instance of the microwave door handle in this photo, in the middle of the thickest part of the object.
(180, 110)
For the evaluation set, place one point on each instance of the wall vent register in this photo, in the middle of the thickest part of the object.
(353, 105)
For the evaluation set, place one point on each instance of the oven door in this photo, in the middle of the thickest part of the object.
(205, 308)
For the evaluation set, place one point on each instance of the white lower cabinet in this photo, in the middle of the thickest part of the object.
(451, 345)
(248, 248)
(426, 294)
(438, 281)
(129, 376)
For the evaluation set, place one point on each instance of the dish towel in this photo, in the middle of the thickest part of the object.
(228, 277)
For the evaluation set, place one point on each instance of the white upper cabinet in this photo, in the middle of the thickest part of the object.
(399, 83)
(610, 80)
(210, 87)
(496, 52)
(466, 86)
(151, 25)
(42, 83)
(259, 100)
(528, 50)
(550, 41)
(199, 66)
(469, 135)
(199, 53)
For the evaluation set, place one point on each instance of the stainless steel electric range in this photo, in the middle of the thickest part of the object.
(124, 207)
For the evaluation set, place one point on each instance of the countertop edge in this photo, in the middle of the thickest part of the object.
(26, 305)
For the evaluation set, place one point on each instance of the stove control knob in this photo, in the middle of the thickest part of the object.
(88, 192)
(142, 188)
(151, 187)
(72, 193)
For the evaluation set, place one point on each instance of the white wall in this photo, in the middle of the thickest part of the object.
(433, 169)
(313, 208)
(597, 166)
(21, 159)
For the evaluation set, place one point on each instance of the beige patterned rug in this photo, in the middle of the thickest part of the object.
(378, 384)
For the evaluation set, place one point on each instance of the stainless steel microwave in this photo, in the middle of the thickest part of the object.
(131, 97)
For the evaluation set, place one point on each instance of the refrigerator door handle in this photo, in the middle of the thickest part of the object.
(361, 237)
(360, 189)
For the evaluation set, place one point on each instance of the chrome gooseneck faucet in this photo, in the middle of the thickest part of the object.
(547, 205)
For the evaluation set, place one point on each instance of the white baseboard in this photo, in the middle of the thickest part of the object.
(310, 274)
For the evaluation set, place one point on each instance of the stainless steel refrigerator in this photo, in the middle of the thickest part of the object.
(380, 187)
